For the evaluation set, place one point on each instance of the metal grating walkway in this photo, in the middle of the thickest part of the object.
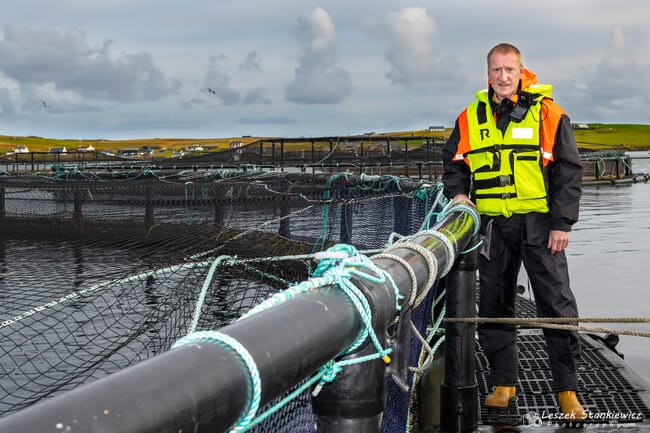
(607, 387)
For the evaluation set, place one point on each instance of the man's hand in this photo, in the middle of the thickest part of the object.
(462, 199)
(558, 241)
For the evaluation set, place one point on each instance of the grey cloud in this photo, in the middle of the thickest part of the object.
(280, 120)
(219, 83)
(256, 96)
(413, 53)
(317, 79)
(614, 88)
(6, 104)
(66, 59)
(251, 62)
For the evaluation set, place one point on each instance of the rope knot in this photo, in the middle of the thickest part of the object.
(329, 372)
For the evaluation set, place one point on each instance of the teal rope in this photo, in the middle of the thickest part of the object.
(243, 424)
(204, 290)
(330, 271)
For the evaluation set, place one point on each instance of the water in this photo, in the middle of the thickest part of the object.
(608, 259)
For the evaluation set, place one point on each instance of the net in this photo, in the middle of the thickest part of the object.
(99, 271)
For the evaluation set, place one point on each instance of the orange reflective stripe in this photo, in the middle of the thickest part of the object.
(550, 114)
(463, 140)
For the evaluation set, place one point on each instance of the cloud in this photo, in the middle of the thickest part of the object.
(279, 120)
(413, 53)
(251, 62)
(219, 83)
(615, 85)
(6, 103)
(256, 96)
(38, 56)
(317, 79)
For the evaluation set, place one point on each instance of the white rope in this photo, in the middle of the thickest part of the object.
(432, 266)
(409, 269)
(451, 255)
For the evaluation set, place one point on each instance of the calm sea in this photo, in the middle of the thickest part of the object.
(609, 257)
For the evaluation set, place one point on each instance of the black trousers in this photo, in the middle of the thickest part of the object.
(513, 240)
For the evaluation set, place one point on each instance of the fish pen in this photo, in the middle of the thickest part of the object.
(101, 272)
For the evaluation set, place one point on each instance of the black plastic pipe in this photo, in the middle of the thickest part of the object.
(205, 387)
(354, 402)
(459, 411)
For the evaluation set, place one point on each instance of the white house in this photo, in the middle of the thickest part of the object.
(21, 149)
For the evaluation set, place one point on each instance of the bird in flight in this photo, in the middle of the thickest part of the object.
(211, 91)
(45, 104)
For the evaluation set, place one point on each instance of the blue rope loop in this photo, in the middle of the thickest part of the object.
(341, 262)
(244, 422)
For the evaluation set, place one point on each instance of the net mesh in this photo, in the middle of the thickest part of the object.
(101, 271)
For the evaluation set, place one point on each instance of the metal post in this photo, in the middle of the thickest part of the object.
(331, 154)
(281, 155)
(459, 391)
(406, 158)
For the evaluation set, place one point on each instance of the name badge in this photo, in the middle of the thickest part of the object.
(522, 133)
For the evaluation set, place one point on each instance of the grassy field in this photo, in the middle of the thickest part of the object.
(598, 137)
(601, 136)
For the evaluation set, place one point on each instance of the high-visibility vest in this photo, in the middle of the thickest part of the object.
(507, 167)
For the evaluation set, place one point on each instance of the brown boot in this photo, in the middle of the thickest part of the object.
(570, 405)
(501, 396)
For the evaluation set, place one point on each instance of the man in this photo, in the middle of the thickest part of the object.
(513, 152)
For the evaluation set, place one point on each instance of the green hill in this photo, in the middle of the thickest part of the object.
(597, 136)
(601, 136)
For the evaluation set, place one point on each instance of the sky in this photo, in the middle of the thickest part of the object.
(118, 69)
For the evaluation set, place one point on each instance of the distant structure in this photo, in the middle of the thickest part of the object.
(195, 148)
(436, 128)
(83, 149)
(58, 150)
(128, 152)
(579, 126)
(21, 149)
